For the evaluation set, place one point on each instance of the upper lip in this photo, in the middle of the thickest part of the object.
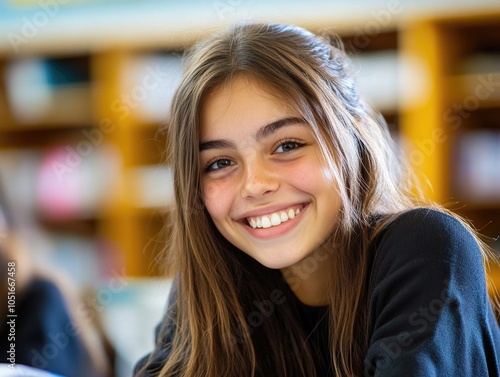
(271, 209)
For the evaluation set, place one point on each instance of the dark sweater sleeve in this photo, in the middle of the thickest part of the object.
(431, 314)
(151, 364)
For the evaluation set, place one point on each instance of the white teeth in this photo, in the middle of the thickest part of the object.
(274, 219)
(266, 223)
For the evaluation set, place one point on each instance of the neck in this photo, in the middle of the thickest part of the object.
(309, 278)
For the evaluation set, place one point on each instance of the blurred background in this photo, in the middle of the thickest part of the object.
(85, 88)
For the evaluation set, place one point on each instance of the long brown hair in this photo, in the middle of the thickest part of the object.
(216, 282)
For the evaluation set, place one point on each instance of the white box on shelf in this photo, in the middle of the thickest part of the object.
(150, 83)
(154, 186)
(379, 78)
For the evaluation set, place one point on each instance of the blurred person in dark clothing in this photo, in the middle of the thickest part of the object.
(45, 334)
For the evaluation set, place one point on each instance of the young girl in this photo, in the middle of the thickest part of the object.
(299, 248)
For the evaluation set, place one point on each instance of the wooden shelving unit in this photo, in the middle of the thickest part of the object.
(136, 230)
(461, 60)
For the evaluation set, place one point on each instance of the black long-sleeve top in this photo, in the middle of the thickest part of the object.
(431, 315)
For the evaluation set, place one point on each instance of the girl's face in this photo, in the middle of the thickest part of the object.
(264, 181)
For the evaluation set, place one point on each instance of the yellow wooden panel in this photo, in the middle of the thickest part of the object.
(427, 139)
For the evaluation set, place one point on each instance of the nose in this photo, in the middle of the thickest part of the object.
(259, 180)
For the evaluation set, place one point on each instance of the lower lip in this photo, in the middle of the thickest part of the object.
(276, 231)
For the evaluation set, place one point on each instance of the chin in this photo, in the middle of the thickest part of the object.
(276, 263)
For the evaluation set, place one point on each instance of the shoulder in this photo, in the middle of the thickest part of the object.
(44, 309)
(427, 281)
(425, 253)
(43, 296)
(39, 286)
(424, 226)
(429, 235)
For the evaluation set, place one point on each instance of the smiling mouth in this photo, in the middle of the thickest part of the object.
(275, 218)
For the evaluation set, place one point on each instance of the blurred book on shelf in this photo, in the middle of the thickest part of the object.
(480, 63)
(477, 178)
(154, 186)
(379, 78)
(76, 181)
(66, 181)
(49, 91)
(18, 171)
(149, 83)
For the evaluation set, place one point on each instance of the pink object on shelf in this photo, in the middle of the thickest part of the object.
(60, 184)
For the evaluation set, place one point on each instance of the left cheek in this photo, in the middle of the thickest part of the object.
(309, 176)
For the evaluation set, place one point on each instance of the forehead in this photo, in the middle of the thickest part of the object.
(241, 102)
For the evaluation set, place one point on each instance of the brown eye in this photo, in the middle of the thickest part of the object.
(219, 164)
(288, 146)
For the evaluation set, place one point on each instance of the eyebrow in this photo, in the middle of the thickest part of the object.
(263, 132)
